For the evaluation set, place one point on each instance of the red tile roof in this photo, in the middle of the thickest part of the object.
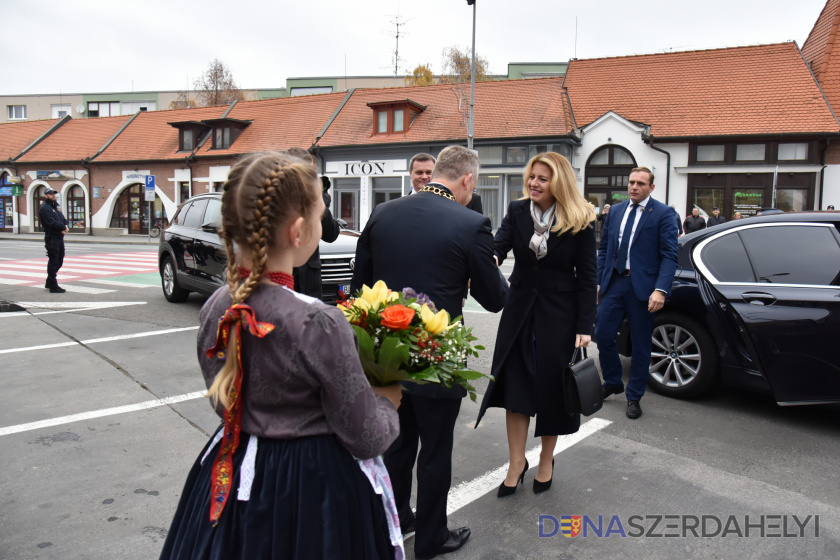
(149, 137)
(819, 51)
(279, 124)
(75, 140)
(16, 136)
(506, 109)
(717, 92)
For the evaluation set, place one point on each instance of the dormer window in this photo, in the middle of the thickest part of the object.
(190, 134)
(226, 131)
(394, 117)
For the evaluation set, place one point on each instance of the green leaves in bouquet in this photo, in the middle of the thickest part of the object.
(384, 368)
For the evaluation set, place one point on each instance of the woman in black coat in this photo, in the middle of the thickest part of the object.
(549, 312)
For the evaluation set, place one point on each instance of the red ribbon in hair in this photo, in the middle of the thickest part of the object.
(236, 316)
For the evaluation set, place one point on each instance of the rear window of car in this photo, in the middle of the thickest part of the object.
(195, 213)
(182, 213)
(213, 215)
(793, 254)
(727, 259)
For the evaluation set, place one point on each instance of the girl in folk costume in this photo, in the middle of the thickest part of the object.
(294, 472)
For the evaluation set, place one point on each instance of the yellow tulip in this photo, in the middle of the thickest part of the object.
(434, 323)
(377, 296)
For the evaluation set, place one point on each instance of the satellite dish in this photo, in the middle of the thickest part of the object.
(80, 108)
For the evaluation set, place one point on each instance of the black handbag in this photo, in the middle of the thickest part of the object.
(582, 385)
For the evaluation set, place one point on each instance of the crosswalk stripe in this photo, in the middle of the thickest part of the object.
(36, 274)
(32, 272)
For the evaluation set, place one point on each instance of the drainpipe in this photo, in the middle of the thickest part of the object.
(649, 141)
(90, 195)
(187, 161)
(822, 175)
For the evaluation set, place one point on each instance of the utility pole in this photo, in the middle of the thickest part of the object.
(471, 131)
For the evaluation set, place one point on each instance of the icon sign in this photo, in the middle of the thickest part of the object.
(150, 188)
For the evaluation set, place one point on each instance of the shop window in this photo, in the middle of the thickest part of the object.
(76, 208)
(489, 155)
(17, 112)
(516, 155)
(60, 111)
(792, 200)
(793, 152)
(562, 149)
(514, 187)
(715, 153)
(489, 187)
(601, 157)
(385, 189)
(749, 152)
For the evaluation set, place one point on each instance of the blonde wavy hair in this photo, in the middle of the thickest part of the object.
(263, 191)
(572, 211)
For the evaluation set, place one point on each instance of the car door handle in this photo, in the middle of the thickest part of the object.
(759, 298)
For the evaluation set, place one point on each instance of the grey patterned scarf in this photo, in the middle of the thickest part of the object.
(542, 224)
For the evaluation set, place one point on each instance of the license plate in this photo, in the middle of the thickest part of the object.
(345, 288)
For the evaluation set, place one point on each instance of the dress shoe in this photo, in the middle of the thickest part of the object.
(608, 390)
(505, 490)
(57, 290)
(540, 487)
(633, 409)
(456, 540)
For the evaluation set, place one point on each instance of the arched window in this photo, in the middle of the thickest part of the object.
(38, 199)
(607, 175)
(132, 211)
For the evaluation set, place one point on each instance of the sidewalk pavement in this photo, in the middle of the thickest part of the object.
(83, 238)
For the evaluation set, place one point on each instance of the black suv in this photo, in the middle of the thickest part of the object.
(192, 258)
(756, 304)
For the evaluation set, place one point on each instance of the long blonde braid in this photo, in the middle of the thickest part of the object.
(261, 191)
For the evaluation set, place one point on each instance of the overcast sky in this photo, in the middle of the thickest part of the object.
(88, 46)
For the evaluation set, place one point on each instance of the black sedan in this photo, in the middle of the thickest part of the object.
(755, 304)
(192, 258)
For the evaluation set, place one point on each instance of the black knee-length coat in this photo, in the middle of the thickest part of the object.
(550, 301)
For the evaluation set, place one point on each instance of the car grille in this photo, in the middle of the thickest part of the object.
(335, 272)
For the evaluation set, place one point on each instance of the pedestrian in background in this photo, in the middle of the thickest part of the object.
(679, 221)
(55, 226)
(549, 312)
(715, 219)
(694, 222)
(830, 207)
(737, 216)
(294, 470)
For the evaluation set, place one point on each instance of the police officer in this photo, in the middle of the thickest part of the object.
(55, 226)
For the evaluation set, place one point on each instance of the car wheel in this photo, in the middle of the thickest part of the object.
(684, 361)
(171, 290)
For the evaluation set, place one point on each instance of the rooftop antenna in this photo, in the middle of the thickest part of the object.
(576, 18)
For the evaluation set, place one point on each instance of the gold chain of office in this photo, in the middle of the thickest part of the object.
(438, 191)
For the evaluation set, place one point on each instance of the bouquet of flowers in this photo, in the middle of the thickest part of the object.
(402, 337)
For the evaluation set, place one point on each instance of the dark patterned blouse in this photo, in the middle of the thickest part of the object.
(304, 378)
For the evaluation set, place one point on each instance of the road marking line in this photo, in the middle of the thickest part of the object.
(100, 413)
(97, 340)
(11, 282)
(79, 304)
(120, 284)
(471, 490)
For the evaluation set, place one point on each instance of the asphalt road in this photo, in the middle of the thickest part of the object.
(104, 483)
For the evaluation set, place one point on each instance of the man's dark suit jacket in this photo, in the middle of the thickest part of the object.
(308, 276)
(653, 252)
(475, 203)
(434, 246)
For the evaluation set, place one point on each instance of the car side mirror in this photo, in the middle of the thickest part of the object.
(211, 227)
(342, 223)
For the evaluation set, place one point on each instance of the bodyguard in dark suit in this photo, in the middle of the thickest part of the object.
(430, 242)
(637, 260)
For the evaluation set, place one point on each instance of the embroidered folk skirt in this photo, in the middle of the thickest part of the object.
(308, 500)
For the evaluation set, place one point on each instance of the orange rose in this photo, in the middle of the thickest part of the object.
(397, 317)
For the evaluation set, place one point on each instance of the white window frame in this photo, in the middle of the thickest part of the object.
(56, 109)
(12, 110)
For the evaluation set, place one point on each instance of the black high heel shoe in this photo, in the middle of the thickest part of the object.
(505, 490)
(543, 486)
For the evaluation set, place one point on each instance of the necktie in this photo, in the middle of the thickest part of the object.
(621, 261)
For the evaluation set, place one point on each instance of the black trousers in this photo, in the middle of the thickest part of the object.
(431, 423)
(55, 254)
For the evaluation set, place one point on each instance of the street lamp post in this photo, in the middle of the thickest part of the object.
(472, 84)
